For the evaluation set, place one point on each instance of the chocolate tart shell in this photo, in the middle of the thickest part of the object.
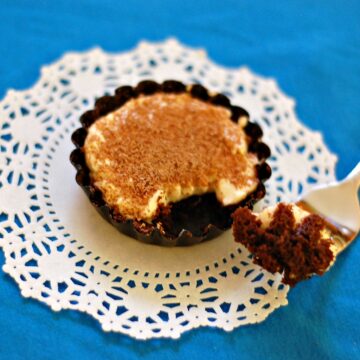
(189, 221)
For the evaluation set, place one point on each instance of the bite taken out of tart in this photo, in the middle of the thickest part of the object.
(169, 163)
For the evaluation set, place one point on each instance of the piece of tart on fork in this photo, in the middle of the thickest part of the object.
(302, 239)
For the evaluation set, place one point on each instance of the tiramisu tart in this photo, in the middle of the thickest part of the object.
(286, 239)
(168, 163)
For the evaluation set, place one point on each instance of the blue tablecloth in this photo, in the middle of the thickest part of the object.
(313, 49)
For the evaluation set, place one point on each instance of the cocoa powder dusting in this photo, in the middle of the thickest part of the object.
(158, 141)
(295, 249)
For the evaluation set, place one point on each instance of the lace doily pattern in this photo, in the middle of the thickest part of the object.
(62, 253)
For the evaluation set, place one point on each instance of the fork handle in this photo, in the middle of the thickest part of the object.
(354, 176)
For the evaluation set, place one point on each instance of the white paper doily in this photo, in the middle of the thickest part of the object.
(59, 250)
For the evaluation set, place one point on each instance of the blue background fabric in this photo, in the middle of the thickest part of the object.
(312, 48)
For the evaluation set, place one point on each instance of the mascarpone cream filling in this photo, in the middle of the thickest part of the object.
(101, 163)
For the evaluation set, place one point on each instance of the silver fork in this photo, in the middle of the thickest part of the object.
(338, 204)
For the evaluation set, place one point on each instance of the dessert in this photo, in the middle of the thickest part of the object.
(286, 239)
(169, 163)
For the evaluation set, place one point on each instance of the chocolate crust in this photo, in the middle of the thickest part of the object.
(191, 220)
